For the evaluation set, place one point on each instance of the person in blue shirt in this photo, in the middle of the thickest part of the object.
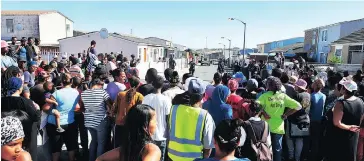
(316, 115)
(67, 99)
(227, 137)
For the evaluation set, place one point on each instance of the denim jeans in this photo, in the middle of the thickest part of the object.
(277, 146)
(295, 146)
(80, 121)
(162, 146)
(100, 138)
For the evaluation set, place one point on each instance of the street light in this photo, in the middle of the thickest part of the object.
(229, 49)
(223, 52)
(244, 34)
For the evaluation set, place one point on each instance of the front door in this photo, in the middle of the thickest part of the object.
(145, 54)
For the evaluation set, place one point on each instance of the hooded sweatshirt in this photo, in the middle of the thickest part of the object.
(217, 106)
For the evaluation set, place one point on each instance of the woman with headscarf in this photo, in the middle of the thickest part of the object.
(12, 136)
(218, 108)
(274, 104)
(13, 101)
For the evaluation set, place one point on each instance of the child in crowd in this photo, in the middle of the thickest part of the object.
(49, 89)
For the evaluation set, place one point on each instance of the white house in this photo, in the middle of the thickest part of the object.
(146, 50)
(48, 26)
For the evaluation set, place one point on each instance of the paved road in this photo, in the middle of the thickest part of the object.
(206, 73)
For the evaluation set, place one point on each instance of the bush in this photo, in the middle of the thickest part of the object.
(335, 60)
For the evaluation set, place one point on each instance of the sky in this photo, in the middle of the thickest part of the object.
(189, 23)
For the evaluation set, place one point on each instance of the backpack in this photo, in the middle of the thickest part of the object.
(260, 147)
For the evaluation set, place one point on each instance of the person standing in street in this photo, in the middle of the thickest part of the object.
(192, 67)
(162, 105)
(172, 62)
(30, 49)
(198, 128)
(316, 116)
(274, 104)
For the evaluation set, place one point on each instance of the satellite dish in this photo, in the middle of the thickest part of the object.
(19, 27)
(104, 33)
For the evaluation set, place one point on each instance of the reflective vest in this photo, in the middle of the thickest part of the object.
(186, 130)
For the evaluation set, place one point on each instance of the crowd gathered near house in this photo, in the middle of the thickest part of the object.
(97, 95)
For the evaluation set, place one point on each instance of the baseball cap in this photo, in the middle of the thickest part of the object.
(239, 76)
(196, 86)
(350, 85)
(300, 83)
(4, 44)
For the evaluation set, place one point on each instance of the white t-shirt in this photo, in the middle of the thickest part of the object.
(110, 66)
(162, 105)
(172, 92)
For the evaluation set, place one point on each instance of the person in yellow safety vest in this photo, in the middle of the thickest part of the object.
(191, 127)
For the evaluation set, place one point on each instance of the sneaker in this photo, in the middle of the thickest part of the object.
(60, 130)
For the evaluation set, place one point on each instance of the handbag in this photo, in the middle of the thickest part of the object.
(298, 130)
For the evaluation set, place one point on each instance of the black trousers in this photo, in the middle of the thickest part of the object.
(81, 129)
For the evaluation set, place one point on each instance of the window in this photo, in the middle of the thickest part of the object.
(314, 38)
(324, 35)
(10, 25)
(67, 27)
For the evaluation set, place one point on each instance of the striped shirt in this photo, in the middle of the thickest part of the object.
(94, 101)
(91, 63)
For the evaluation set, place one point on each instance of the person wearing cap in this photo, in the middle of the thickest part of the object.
(198, 129)
(342, 135)
(277, 106)
(75, 69)
(299, 119)
(6, 61)
(316, 114)
(22, 63)
(29, 75)
(12, 137)
(174, 88)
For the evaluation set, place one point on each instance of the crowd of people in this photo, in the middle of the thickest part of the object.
(292, 114)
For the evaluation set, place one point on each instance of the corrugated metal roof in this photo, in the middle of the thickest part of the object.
(362, 19)
(29, 13)
(355, 37)
(279, 40)
(288, 47)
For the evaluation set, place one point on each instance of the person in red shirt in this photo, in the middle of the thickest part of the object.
(235, 100)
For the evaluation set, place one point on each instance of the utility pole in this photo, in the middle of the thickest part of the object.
(206, 42)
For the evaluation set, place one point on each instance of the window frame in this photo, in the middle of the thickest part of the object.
(8, 25)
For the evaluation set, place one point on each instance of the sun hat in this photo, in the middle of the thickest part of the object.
(11, 130)
(293, 79)
(300, 83)
(4, 44)
(350, 85)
